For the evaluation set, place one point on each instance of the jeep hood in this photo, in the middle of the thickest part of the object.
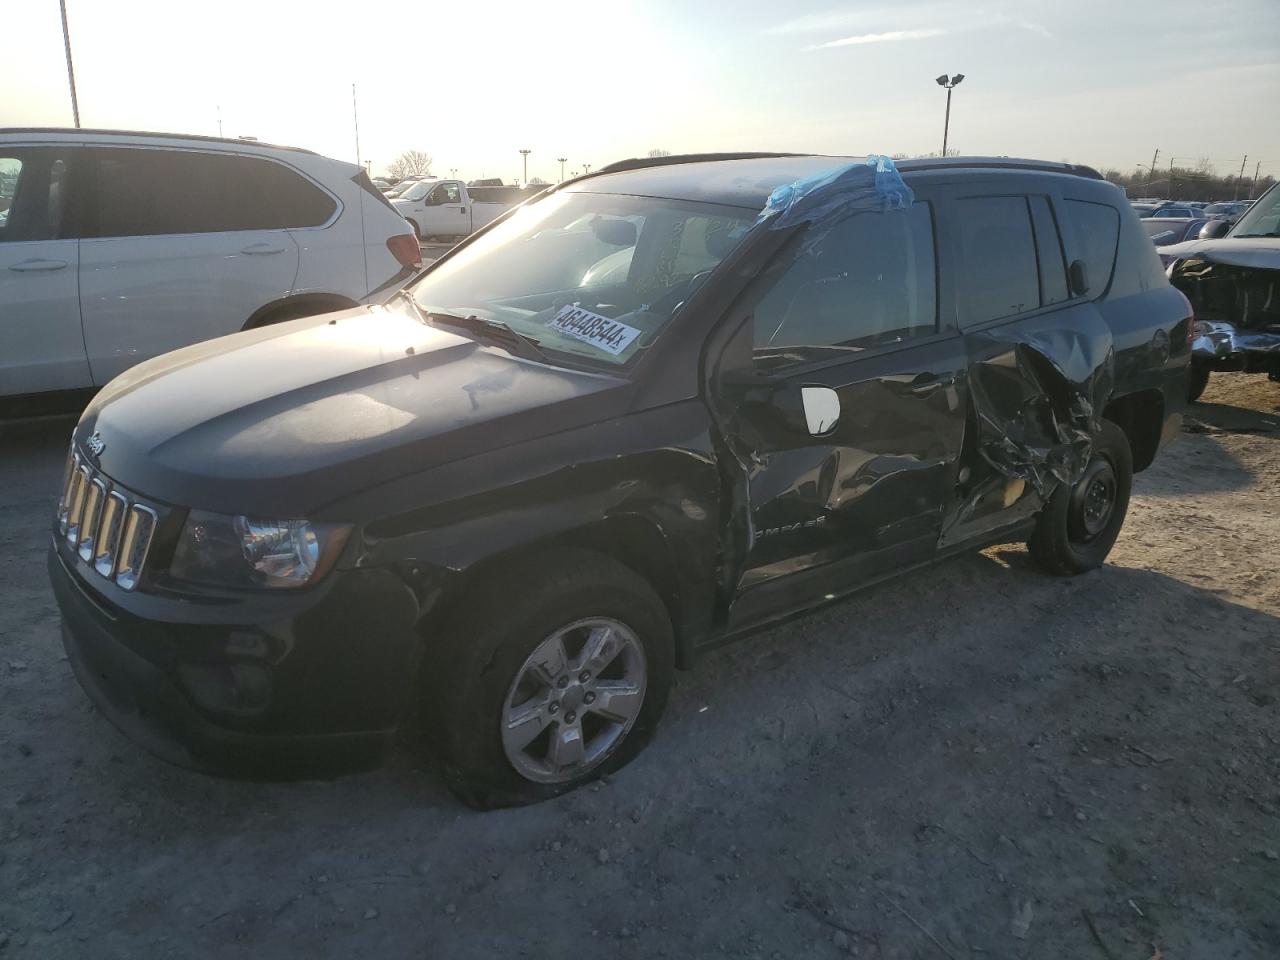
(281, 421)
(1261, 253)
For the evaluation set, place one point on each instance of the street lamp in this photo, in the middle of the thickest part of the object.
(561, 161)
(949, 83)
(524, 154)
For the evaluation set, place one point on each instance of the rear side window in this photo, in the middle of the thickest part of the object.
(998, 275)
(1097, 233)
(869, 281)
(34, 197)
(162, 192)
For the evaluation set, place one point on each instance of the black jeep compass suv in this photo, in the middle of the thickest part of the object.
(656, 407)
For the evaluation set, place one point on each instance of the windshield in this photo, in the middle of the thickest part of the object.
(1262, 218)
(417, 190)
(588, 275)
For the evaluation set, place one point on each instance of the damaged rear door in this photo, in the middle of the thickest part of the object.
(1041, 357)
(841, 400)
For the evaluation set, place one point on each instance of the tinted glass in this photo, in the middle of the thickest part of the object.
(998, 276)
(868, 282)
(1097, 232)
(160, 192)
(1053, 265)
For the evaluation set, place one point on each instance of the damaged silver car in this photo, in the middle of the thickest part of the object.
(1233, 283)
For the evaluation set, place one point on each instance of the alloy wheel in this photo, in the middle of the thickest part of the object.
(574, 700)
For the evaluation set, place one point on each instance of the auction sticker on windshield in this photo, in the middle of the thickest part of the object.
(609, 335)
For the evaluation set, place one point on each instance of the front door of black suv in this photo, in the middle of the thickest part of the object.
(842, 404)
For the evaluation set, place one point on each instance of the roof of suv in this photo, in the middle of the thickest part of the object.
(68, 133)
(746, 180)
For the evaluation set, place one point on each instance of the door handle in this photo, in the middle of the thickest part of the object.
(463, 211)
(259, 249)
(926, 383)
(38, 264)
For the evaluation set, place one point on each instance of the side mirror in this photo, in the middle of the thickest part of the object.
(1215, 229)
(1078, 277)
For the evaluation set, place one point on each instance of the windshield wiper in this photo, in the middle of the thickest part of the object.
(1257, 236)
(495, 331)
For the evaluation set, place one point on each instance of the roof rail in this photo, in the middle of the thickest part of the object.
(639, 163)
(997, 163)
(239, 141)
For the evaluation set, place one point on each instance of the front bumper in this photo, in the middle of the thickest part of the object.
(318, 690)
(1222, 346)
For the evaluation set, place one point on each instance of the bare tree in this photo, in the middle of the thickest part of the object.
(659, 152)
(411, 163)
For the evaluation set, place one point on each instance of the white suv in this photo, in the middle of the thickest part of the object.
(116, 247)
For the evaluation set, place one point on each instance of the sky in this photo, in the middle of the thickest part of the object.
(1102, 82)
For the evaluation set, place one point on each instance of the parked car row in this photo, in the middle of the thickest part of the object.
(116, 247)
(1231, 275)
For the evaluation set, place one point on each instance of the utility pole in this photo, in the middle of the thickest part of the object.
(1235, 194)
(355, 119)
(1253, 186)
(71, 73)
(524, 156)
(561, 161)
(949, 83)
(1171, 159)
(219, 119)
(1151, 171)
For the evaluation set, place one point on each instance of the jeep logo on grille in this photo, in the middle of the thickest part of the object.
(96, 444)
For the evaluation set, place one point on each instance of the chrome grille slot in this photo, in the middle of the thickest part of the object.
(139, 526)
(91, 517)
(106, 526)
(75, 502)
(108, 539)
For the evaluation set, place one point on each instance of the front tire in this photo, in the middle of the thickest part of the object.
(417, 230)
(554, 673)
(1078, 527)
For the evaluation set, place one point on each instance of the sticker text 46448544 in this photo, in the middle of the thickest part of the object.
(609, 335)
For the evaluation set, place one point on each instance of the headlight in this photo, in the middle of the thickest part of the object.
(244, 552)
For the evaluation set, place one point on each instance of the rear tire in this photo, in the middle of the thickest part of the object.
(1078, 527)
(1197, 380)
(482, 673)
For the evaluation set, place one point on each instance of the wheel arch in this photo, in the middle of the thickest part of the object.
(636, 542)
(285, 307)
(1141, 416)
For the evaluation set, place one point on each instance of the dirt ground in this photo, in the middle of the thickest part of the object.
(976, 761)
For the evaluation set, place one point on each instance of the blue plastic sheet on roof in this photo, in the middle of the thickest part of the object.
(873, 184)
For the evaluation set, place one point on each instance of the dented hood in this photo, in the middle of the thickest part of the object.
(283, 420)
(1262, 253)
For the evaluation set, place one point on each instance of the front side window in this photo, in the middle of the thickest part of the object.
(590, 277)
(445, 193)
(164, 192)
(998, 274)
(869, 281)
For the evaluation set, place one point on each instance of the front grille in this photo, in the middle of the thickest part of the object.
(104, 523)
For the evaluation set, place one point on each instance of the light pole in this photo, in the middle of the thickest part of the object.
(562, 161)
(524, 154)
(949, 83)
(586, 168)
(71, 73)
